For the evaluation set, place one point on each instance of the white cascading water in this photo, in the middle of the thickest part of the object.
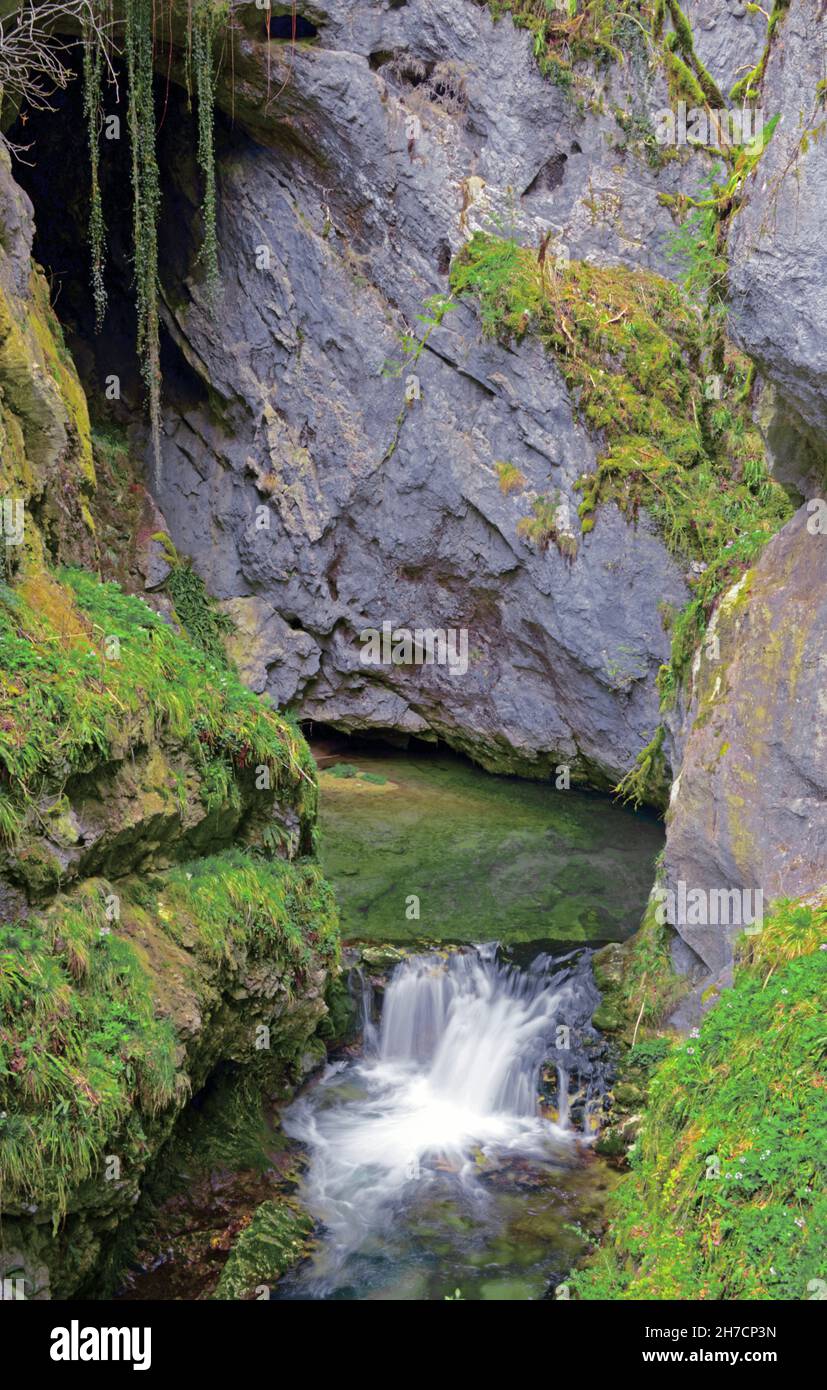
(451, 1078)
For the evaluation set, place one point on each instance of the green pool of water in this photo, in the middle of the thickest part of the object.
(487, 857)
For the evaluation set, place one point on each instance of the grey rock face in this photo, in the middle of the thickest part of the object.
(778, 281)
(307, 487)
(749, 809)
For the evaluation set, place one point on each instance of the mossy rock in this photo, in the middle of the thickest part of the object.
(216, 969)
(276, 1239)
(609, 1019)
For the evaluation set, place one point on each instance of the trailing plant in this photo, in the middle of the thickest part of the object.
(206, 18)
(413, 345)
(205, 625)
(93, 66)
(648, 774)
(146, 202)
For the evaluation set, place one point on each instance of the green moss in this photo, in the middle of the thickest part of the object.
(90, 673)
(274, 910)
(586, 32)
(343, 770)
(748, 88)
(647, 780)
(650, 988)
(205, 625)
(90, 1007)
(632, 350)
(80, 1046)
(744, 1099)
(707, 88)
(542, 527)
(276, 1238)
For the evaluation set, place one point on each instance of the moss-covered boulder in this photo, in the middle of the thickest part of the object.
(750, 812)
(125, 746)
(116, 1008)
(275, 1240)
(46, 463)
(725, 1199)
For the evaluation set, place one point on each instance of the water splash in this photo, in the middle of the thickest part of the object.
(448, 1084)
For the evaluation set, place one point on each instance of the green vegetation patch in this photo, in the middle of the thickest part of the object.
(676, 441)
(271, 908)
(276, 1238)
(594, 32)
(89, 1049)
(726, 1198)
(89, 673)
(204, 623)
(629, 346)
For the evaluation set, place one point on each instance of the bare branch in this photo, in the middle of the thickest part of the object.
(34, 52)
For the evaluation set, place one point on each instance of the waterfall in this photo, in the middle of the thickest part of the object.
(448, 1083)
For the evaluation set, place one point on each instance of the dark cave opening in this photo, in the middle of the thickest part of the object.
(286, 27)
(54, 171)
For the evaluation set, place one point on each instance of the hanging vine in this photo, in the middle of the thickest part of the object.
(204, 25)
(146, 202)
(137, 18)
(93, 63)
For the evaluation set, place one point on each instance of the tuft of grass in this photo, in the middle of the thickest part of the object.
(542, 528)
(597, 32)
(80, 1049)
(270, 907)
(510, 478)
(726, 1197)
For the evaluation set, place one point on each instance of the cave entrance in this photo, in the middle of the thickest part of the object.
(53, 169)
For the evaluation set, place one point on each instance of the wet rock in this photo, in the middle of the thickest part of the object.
(275, 1240)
